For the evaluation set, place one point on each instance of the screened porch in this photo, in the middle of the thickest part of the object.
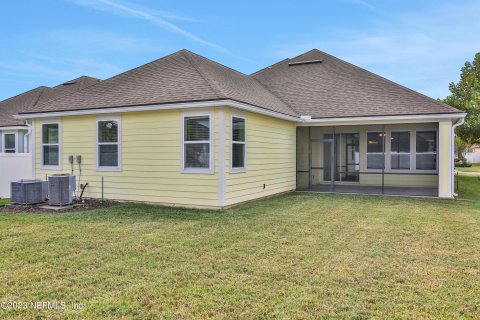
(393, 159)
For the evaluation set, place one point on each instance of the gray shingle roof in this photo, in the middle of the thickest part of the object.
(179, 77)
(30, 100)
(330, 88)
(335, 88)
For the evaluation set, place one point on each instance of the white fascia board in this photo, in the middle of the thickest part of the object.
(14, 128)
(431, 117)
(169, 106)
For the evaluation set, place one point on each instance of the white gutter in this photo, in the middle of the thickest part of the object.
(452, 162)
(169, 106)
(14, 128)
(307, 119)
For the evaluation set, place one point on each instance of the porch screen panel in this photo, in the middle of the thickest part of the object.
(302, 158)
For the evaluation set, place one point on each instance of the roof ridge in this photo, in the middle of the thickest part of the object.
(60, 96)
(37, 98)
(390, 81)
(19, 94)
(281, 61)
(218, 89)
(141, 66)
(214, 87)
(81, 79)
(213, 61)
(268, 67)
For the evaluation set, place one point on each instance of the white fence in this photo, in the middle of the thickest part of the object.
(13, 167)
(473, 157)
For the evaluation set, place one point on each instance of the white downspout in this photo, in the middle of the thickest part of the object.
(27, 135)
(31, 145)
(452, 162)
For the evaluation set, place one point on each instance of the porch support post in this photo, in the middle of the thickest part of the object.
(334, 162)
(309, 158)
(383, 156)
(445, 151)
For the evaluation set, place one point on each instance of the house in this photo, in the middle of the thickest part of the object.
(473, 154)
(185, 130)
(15, 134)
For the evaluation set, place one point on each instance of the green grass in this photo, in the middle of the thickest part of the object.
(294, 256)
(4, 202)
(474, 168)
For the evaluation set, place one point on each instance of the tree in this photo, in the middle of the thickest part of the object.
(465, 96)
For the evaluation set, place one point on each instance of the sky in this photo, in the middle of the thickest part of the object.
(419, 44)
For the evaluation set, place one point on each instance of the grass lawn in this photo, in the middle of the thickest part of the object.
(474, 168)
(4, 202)
(294, 256)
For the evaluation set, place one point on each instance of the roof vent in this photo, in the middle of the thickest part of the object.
(68, 83)
(296, 63)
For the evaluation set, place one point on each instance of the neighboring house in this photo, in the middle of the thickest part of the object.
(185, 130)
(473, 155)
(15, 142)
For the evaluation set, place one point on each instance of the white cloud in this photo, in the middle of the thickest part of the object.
(361, 3)
(93, 40)
(155, 17)
(69, 53)
(423, 50)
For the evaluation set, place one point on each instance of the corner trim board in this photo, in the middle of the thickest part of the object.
(222, 163)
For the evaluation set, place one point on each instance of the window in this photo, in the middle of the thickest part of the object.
(400, 150)
(426, 150)
(9, 140)
(197, 143)
(108, 144)
(375, 148)
(238, 143)
(51, 145)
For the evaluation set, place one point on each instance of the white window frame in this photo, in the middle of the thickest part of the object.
(435, 130)
(211, 168)
(118, 143)
(389, 139)
(413, 150)
(381, 153)
(5, 133)
(59, 144)
(244, 168)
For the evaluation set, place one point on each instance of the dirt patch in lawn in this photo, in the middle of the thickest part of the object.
(86, 204)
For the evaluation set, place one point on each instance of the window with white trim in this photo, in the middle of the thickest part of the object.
(51, 144)
(108, 155)
(400, 150)
(9, 143)
(238, 144)
(375, 154)
(426, 150)
(197, 143)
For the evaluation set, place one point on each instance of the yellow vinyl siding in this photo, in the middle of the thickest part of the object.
(150, 163)
(270, 158)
